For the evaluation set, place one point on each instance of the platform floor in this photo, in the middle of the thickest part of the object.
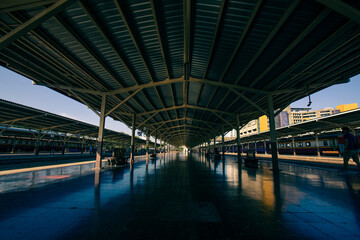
(180, 197)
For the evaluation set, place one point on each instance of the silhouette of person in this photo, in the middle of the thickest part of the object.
(351, 148)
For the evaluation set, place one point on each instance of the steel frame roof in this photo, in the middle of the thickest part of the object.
(16, 115)
(184, 67)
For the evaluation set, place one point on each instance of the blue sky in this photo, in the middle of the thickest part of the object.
(18, 89)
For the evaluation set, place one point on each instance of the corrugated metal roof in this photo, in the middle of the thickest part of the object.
(188, 66)
(17, 115)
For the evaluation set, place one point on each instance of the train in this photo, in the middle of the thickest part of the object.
(18, 140)
(331, 144)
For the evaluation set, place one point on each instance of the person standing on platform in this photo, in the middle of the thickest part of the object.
(351, 148)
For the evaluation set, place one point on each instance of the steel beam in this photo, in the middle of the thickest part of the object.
(273, 138)
(132, 156)
(342, 8)
(34, 22)
(100, 134)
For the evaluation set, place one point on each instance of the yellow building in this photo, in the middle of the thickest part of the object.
(347, 107)
(263, 123)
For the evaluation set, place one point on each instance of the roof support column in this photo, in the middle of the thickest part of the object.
(147, 145)
(238, 139)
(317, 144)
(82, 145)
(155, 142)
(133, 138)
(101, 133)
(223, 142)
(160, 148)
(273, 139)
(293, 145)
(14, 145)
(37, 143)
(214, 143)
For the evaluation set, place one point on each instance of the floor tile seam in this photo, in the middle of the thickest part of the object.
(319, 229)
(325, 221)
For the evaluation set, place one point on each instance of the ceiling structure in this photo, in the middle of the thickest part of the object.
(186, 68)
(41, 122)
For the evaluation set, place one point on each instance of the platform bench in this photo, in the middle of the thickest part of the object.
(250, 160)
(330, 152)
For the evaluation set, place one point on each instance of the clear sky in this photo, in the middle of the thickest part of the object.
(333, 96)
(18, 89)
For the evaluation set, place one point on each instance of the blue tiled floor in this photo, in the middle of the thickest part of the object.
(180, 197)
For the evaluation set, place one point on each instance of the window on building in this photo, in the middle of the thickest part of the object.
(308, 144)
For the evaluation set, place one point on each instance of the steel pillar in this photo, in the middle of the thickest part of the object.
(273, 138)
(147, 144)
(133, 138)
(214, 143)
(100, 134)
(293, 145)
(223, 142)
(155, 142)
(317, 144)
(37, 143)
(14, 145)
(238, 138)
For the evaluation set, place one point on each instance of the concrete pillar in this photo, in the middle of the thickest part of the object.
(223, 142)
(63, 147)
(100, 134)
(37, 144)
(265, 146)
(147, 144)
(160, 148)
(132, 156)
(273, 138)
(317, 144)
(238, 138)
(155, 142)
(293, 144)
(82, 145)
(14, 145)
(214, 143)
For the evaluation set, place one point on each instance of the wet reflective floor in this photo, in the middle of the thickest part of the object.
(180, 197)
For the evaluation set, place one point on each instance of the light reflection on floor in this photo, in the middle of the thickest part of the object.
(180, 197)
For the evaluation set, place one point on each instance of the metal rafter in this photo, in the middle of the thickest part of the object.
(163, 53)
(342, 8)
(346, 27)
(291, 46)
(270, 38)
(140, 52)
(34, 22)
(250, 22)
(85, 46)
(21, 119)
(60, 89)
(221, 11)
(64, 55)
(183, 125)
(267, 41)
(241, 40)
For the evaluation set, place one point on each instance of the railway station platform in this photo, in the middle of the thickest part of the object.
(180, 196)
